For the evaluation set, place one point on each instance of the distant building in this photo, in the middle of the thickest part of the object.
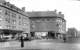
(47, 22)
(72, 32)
(12, 19)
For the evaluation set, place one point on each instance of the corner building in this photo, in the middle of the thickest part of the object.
(13, 20)
(47, 23)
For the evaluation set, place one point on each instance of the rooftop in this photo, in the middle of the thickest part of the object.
(45, 14)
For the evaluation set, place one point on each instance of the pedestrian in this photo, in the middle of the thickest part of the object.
(22, 42)
(64, 38)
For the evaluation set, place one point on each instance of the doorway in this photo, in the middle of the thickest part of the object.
(51, 34)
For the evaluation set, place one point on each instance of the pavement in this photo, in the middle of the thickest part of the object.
(44, 44)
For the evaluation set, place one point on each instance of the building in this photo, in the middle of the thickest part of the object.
(13, 21)
(72, 32)
(48, 22)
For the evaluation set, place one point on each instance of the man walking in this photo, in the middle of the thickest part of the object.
(22, 42)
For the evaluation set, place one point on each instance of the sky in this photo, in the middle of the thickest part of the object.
(70, 8)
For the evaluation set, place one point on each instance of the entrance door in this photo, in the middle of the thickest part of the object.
(51, 34)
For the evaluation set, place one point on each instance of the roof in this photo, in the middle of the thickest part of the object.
(44, 14)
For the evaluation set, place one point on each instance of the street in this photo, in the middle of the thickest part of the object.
(44, 44)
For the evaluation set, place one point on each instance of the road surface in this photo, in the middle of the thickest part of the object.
(41, 45)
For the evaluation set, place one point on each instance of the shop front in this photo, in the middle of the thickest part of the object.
(9, 34)
(41, 35)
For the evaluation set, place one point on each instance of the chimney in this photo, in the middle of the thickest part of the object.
(60, 12)
(55, 10)
(23, 8)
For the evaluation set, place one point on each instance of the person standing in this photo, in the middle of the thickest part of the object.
(64, 38)
(22, 41)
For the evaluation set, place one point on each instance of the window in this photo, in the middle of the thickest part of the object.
(13, 27)
(24, 23)
(4, 3)
(58, 20)
(24, 29)
(0, 11)
(14, 21)
(19, 17)
(60, 26)
(7, 12)
(11, 6)
(57, 25)
(13, 15)
(48, 19)
(33, 26)
(43, 20)
(8, 26)
(7, 20)
(38, 21)
(19, 22)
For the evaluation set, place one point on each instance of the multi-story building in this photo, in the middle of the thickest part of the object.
(12, 19)
(47, 22)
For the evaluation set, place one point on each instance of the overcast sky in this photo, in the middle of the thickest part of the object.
(70, 8)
